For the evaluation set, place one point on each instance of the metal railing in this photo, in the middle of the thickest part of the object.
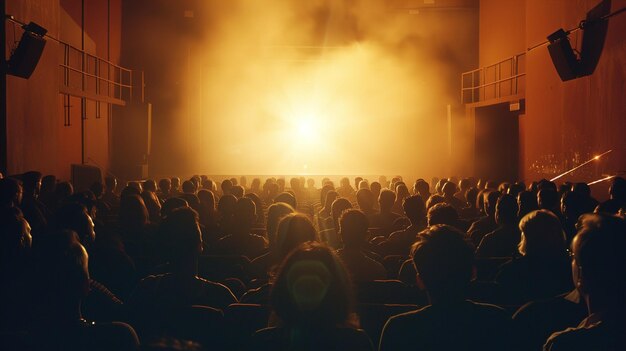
(501, 79)
(94, 78)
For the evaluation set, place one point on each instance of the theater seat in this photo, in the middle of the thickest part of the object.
(242, 320)
(374, 316)
(219, 267)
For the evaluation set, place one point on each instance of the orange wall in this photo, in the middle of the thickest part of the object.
(566, 123)
(37, 136)
(501, 30)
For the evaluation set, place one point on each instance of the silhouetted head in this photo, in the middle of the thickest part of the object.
(286, 198)
(63, 191)
(225, 186)
(386, 199)
(582, 188)
(433, 200)
(74, 216)
(470, 197)
(345, 183)
(439, 186)
(365, 199)
(542, 235)
(189, 187)
(165, 185)
(60, 264)
(415, 209)
(10, 192)
(226, 205)
(171, 204)
(312, 289)
(243, 181)
(150, 185)
(111, 184)
(546, 184)
(573, 205)
(97, 189)
(136, 185)
(516, 188)
(448, 190)
(444, 262)
(293, 230)
(364, 184)
(255, 186)
(310, 183)
(357, 182)
(442, 213)
(208, 184)
(548, 199)
(275, 213)
(526, 202)
(245, 213)
(181, 235)
(48, 183)
(375, 187)
(15, 237)
(31, 181)
(464, 184)
(133, 212)
(490, 199)
(506, 211)
(295, 184)
(129, 190)
(353, 225)
(175, 183)
(402, 192)
(337, 208)
(237, 191)
(421, 187)
(599, 259)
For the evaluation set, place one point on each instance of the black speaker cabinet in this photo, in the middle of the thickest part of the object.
(26, 56)
(564, 59)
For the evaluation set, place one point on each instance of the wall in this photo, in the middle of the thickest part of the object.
(566, 123)
(37, 135)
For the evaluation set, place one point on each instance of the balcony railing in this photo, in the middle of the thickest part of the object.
(499, 80)
(88, 76)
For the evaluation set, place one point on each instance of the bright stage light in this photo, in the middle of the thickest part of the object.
(306, 130)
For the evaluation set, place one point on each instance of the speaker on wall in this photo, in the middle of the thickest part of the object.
(564, 59)
(568, 65)
(25, 57)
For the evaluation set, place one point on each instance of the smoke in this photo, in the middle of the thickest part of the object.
(317, 87)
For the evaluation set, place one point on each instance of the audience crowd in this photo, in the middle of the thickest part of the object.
(193, 264)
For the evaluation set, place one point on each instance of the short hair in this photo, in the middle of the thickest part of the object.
(542, 234)
(237, 190)
(180, 234)
(338, 206)
(433, 200)
(149, 185)
(165, 184)
(506, 210)
(189, 187)
(9, 190)
(470, 196)
(172, 204)
(312, 289)
(444, 260)
(286, 198)
(386, 198)
(245, 211)
(548, 199)
(353, 226)
(275, 213)
(490, 200)
(442, 213)
(365, 199)
(293, 230)
(414, 208)
(74, 216)
(598, 249)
